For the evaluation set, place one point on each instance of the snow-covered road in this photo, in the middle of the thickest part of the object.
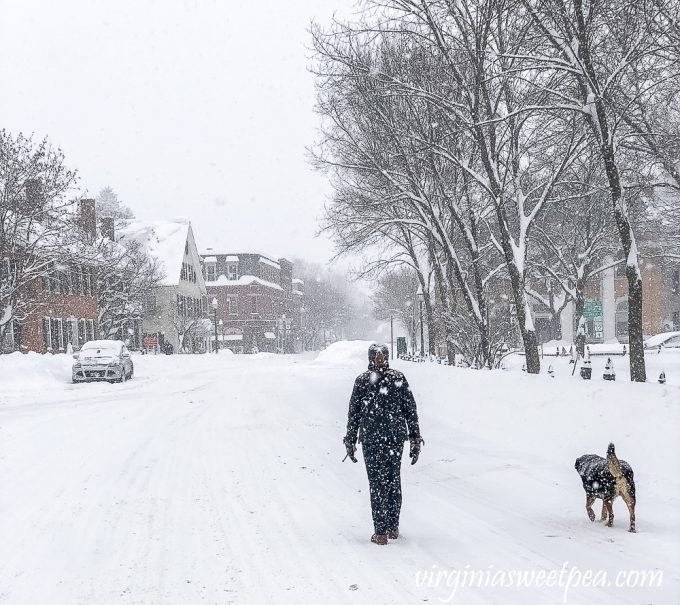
(217, 479)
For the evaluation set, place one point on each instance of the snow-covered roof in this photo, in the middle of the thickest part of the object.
(164, 241)
(298, 281)
(267, 261)
(244, 280)
(210, 259)
(234, 256)
(231, 258)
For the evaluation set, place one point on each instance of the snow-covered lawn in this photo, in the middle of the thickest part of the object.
(217, 479)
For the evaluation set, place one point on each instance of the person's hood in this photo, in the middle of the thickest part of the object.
(373, 351)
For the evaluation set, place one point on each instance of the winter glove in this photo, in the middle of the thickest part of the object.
(415, 449)
(351, 449)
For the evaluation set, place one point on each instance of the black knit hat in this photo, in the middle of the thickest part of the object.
(373, 351)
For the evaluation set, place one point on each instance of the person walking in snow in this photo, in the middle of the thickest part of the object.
(383, 415)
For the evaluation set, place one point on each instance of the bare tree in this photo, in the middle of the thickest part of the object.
(601, 51)
(37, 221)
(126, 276)
(396, 297)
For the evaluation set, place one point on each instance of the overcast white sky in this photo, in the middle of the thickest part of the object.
(195, 108)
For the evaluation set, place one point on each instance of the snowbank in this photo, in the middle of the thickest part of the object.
(18, 371)
(345, 353)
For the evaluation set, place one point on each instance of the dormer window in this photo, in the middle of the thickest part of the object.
(210, 271)
(232, 271)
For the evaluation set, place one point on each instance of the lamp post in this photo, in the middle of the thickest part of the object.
(214, 306)
(392, 313)
(221, 324)
(421, 299)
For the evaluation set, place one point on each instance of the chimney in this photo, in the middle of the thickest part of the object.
(87, 217)
(108, 227)
(286, 274)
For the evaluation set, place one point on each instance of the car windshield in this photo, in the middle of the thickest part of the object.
(101, 350)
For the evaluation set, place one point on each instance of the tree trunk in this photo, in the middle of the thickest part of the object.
(638, 371)
(430, 321)
(579, 308)
(533, 358)
(601, 129)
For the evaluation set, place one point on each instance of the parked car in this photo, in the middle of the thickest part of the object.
(107, 360)
(666, 340)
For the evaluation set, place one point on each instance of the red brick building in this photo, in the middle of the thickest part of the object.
(258, 303)
(64, 300)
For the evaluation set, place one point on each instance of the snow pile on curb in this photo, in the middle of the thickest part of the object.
(18, 370)
(345, 353)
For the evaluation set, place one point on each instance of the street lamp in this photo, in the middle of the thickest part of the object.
(392, 313)
(221, 323)
(421, 299)
(214, 306)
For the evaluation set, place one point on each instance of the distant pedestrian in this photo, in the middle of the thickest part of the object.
(382, 415)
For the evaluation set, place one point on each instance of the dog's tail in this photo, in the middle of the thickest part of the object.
(613, 463)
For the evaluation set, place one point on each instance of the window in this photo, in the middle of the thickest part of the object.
(47, 335)
(16, 333)
(86, 277)
(63, 280)
(621, 270)
(232, 305)
(675, 287)
(76, 280)
(181, 305)
(253, 305)
(188, 273)
(56, 334)
(210, 272)
(82, 331)
(46, 281)
(70, 331)
(232, 271)
(676, 321)
(53, 280)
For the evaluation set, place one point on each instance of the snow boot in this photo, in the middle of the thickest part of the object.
(380, 539)
(393, 534)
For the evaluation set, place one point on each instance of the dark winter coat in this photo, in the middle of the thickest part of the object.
(383, 407)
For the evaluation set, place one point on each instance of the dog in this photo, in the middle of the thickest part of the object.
(607, 478)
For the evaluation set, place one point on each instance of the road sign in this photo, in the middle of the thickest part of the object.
(150, 342)
(592, 309)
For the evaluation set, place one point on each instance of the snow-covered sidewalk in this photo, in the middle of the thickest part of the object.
(217, 479)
